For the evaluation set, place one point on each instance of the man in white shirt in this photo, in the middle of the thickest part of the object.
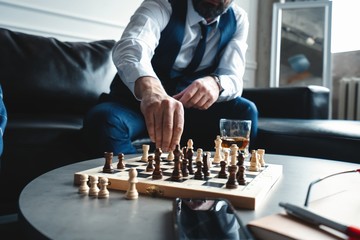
(161, 91)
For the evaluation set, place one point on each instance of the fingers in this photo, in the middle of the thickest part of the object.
(178, 127)
(171, 126)
(165, 122)
(199, 95)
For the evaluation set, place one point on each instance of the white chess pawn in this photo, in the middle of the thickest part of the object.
(261, 153)
(217, 156)
(132, 192)
(226, 155)
(254, 162)
(84, 188)
(145, 149)
(94, 189)
(104, 192)
(170, 156)
(190, 144)
(199, 153)
(233, 154)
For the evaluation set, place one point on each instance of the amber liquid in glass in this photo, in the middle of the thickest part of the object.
(241, 142)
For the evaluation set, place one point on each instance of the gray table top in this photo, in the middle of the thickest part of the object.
(52, 207)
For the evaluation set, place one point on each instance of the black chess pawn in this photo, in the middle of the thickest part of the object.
(222, 173)
(176, 174)
(157, 173)
(108, 168)
(189, 156)
(206, 165)
(240, 175)
(198, 174)
(183, 152)
(120, 164)
(184, 167)
(232, 182)
(150, 165)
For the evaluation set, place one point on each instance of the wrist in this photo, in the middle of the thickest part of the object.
(148, 86)
(218, 82)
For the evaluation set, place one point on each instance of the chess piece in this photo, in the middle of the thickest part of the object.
(199, 153)
(232, 183)
(233, 154)
(232, 169)
(209, 156)
(189, 155)
(170, 156)
(206, 165)
(261, 153)
(176, 174)
(222, 173)
(104, 192)
(218, 148)
(198, 174)
(157, 173)
(183, 152)
(226, 155)
(254, 161)
(184, 167)
(94, 189)
(240, 175)
(132, 192)
(120, 164)
(84, 188)
(150, 165)
(145, 149)
(190, 144)
(108, 168)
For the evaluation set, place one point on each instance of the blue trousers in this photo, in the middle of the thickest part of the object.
(3, 121)
(112, 126)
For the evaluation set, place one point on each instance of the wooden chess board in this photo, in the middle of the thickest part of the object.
(247, 197)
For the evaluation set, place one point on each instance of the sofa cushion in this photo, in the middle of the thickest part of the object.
(329, 139)
(40, 74)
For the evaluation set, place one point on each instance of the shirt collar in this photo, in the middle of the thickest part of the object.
(194, 18)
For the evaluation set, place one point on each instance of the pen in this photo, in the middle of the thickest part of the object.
(315, 219)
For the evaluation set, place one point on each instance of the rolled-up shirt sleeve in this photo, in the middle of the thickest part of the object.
(132, 54)
(232, 62)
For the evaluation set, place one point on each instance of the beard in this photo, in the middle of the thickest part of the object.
(208, 10)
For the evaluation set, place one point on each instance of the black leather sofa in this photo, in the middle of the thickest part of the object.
(48, 85)
(294, 121)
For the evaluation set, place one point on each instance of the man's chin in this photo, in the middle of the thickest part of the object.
(208, 9)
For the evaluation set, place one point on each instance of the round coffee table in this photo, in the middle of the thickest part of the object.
(50, 206)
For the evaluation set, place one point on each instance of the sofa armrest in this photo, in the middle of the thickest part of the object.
(303, 102)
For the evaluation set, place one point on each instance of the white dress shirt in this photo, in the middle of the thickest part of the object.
(132, 54)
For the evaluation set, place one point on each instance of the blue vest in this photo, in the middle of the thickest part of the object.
(170, 43)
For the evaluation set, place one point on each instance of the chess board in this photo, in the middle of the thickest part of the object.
(244, 196)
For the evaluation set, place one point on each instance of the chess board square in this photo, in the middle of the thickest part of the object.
(218, 180)
(250, 176)
(181, 180)
(133, 165)
(143, 175)
(213, 184)
(167, 173)
(193, 182)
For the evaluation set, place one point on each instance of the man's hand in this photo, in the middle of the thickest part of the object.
(200, 94)
(164, 115)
